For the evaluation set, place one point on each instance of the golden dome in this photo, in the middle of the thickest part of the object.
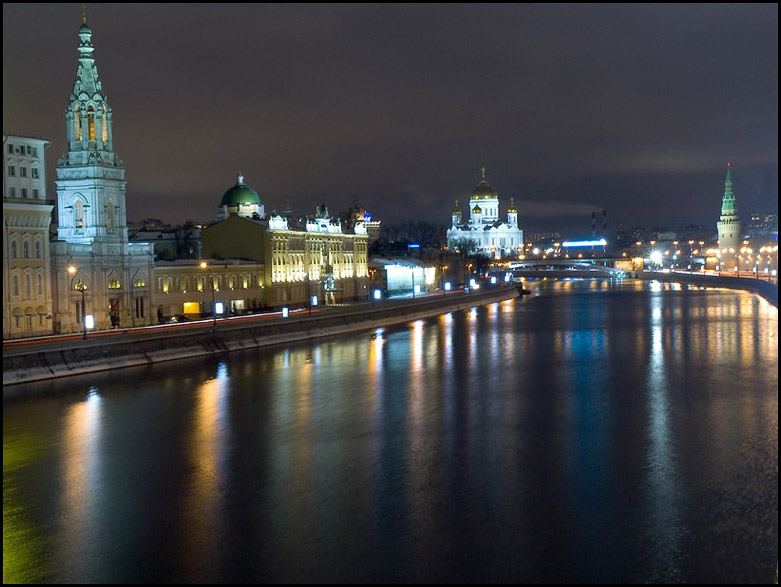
(484, 191)
(512, 209)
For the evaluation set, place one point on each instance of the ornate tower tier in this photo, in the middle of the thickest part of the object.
(90, 176)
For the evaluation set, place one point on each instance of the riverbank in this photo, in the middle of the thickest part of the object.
(137, 347)
(769, 291)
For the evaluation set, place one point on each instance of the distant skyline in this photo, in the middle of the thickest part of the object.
(631, 108)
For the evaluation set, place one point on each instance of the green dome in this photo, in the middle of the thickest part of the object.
(484, 191)
(240, 195)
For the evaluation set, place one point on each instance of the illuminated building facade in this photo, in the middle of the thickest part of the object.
(728, 227)
(316, 258)
(197, 289)
(484, 233)
(97, 271)
(27, 287)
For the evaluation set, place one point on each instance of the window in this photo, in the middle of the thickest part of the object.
(91, 122)
(78, 214)
(139, 307)
(41, 318)
(38, 285)
(15, 286)
(13, 192)
(28, 287)
(29, 150)
(139, 282)
(37, 249)
(104, 124)
(34, 172)
(113, 283)
(14, 249)
(22, 171)
(35, 153)
(11, 170)
(77, 123)
(35, 193)
(26, 249)
(110, 215)
(10, 149)
(24, 192)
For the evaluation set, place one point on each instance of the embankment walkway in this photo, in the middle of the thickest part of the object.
(52, 357)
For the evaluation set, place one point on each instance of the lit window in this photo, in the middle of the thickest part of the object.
(113, 283)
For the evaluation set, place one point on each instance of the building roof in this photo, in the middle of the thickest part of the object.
(484, 191)
(240, 194)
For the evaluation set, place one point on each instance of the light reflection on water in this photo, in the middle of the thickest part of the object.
(592, 432)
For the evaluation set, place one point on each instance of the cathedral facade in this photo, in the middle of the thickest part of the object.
(483, 233)
(98, 274)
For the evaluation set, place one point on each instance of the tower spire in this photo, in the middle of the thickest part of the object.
(83, 14)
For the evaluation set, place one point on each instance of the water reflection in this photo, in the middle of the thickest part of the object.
(594, 432)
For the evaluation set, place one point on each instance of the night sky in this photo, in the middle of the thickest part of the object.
(572, 109)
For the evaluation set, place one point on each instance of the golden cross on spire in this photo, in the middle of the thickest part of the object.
(84, 14)
(483, 170)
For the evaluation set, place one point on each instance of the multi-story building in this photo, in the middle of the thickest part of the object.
(197, 289)
(27, 216)
(314, 259)
(484, 233)
(98, 272)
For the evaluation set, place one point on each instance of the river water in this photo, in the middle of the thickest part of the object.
(596, 431)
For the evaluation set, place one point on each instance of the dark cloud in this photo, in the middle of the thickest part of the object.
(632, 108)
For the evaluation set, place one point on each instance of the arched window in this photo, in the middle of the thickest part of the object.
(38, 285)
(78, 214)
(139, 282)
(110, 214)
(77, 123)
(91, 122)
(113, 283)
(104, 123)
(28, 287)
(37, 249)
(15, 285)
(79, 284)
(26, 250)
(14, 249)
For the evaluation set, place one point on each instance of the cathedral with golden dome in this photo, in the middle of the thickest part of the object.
(483, 233)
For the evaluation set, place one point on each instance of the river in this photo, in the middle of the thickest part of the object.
(595, 431)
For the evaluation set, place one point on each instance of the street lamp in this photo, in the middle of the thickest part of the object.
(204, 265)
(81, 287)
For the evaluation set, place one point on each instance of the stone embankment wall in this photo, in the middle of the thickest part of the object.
(131, 348)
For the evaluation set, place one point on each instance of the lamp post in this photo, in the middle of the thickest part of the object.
(81, 287)
(204, 265)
